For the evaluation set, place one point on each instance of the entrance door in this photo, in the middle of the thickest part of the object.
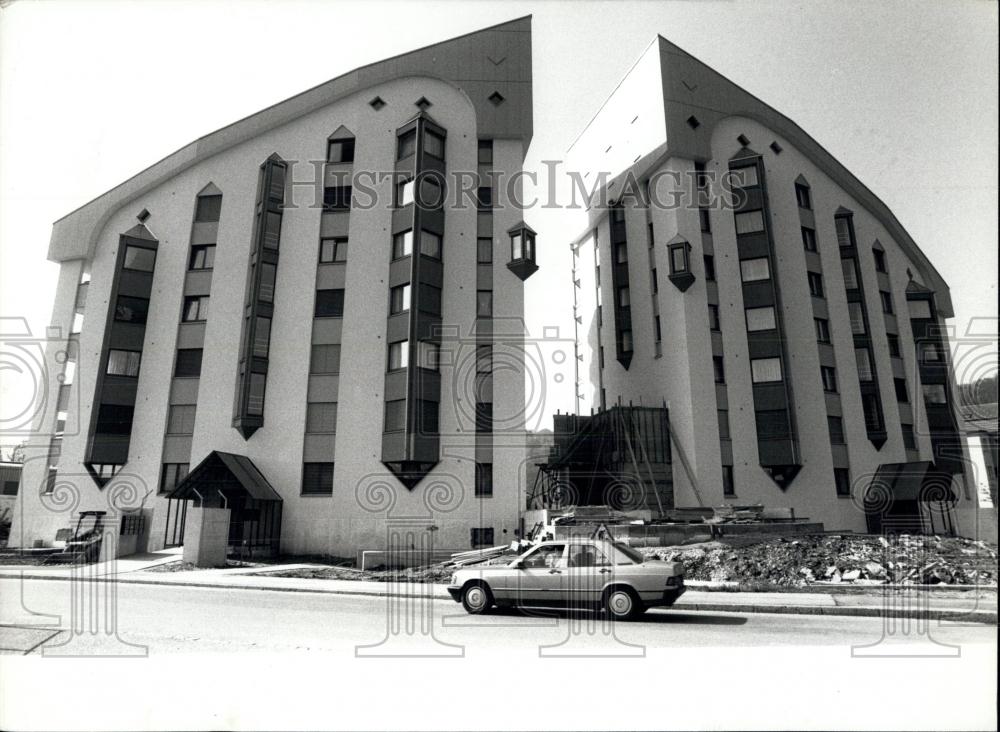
(173, 533)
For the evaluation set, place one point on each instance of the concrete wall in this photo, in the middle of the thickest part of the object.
(350, 518)
(206, 536)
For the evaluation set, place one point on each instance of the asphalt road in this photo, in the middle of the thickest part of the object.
(196, 657)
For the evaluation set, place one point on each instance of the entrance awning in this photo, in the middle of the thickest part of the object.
(224, 471)
(916, 481)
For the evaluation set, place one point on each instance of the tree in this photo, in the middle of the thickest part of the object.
(16, 454)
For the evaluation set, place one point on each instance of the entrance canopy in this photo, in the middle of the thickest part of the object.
(917, 481)
(227, 473)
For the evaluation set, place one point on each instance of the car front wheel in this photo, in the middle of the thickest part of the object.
(621, 603)
(477, 599)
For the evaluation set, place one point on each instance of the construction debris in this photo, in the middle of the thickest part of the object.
(832, 558)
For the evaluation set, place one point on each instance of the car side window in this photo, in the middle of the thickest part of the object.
(545, 557)
(586, 555)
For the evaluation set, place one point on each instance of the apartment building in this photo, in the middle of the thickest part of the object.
(735, 274)
(296, 318)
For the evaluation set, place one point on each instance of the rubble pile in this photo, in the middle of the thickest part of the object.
(855, 559)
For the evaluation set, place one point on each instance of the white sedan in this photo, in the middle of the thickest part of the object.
(572, 573)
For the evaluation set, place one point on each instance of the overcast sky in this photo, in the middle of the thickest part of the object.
(905, 95)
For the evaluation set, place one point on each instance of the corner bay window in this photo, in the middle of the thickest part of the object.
(760, 319)
(188, 363)
(864, 361)
(337, 198)
(202, 257)
(325, 359)
(195, 309)
(340, 151)
(395, 416)
(829, 375)
(321, 417)
(430, 244)
(679, 262)
(935, 394)
(208, 209)
(402, 244)
(399, 299)
(131, 309)
(139, 259)
(755, 270)
(749, 222)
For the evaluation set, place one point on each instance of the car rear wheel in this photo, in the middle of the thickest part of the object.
(621, 603)
(477, 599)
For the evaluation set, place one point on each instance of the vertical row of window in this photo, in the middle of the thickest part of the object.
(66, 380)
(483, 477)
(259, 301)
(624, 343)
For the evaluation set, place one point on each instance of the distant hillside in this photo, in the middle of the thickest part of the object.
(983, 391)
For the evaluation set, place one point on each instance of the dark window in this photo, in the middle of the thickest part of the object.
(333, 250)
(202, 257)
(773, 424)
(434, 145)
(679, 259)
(321, 417)
(10, 488)
(268, 273)
(659, 330)
(886, 301)
(484, 303)
(803, 196)
(815, 284)
(399, 355)
(713, 318)
(842, 480)
(427, 417)
(402, 244)
(329, 303)
(728, 481)
(720, 369)
(406, 144)
(395, 416)
(123, 363)
(484, 197)
(430, 244)
(340, 151)
(709, 268)
(909, 438)
(621, 253)
(836, 426)
(829, 375)
(486, 152)
(171, 474)
(188, 362)
(484, 359)
(255, 397)
(863, 359)
(484, 479)
(880, 265)
(929, 352)
(261, 337)
(850, 270)
(337, 198)
(430, 299)
(317, 479)
(808, 239)
(325, 359)
(180, 419)
(902, 395)
(484, 250)
(272, 230)
(139, 258)
(208, 209)
(873, 412)
(399, 299)
(131, 309)
(844, 238)
(894, 347)
(195, 309)
(822, 330)
(114, 419)
(724, 433)
(624, 297)
(484, 416)
(481, 537)
(626, 341)
(935, 394)
(856, 315)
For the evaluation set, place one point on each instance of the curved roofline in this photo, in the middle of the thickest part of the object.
(448, 61)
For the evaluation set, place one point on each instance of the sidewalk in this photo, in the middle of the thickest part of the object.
(970, 606)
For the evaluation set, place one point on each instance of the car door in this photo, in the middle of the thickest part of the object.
(588, 569)
(541, 575)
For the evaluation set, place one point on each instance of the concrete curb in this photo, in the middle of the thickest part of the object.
(866, 611)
